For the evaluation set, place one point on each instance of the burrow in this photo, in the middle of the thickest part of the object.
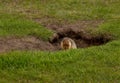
(81, 38)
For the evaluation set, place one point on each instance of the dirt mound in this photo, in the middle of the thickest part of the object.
(24, 43)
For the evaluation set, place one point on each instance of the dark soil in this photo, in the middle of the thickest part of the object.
(76, 31)
(81, 38)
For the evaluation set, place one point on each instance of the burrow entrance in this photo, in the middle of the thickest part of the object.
(81, 38)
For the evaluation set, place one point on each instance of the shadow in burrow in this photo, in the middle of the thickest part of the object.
(81, 38)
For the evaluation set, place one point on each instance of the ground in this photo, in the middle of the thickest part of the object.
(31, 31)
(75, 31)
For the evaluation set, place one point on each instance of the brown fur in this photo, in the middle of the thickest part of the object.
(68, 43)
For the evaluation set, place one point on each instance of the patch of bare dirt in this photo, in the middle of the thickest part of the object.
(24, 43)
(58, 25)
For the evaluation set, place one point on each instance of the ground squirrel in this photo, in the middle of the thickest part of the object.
(68, 43)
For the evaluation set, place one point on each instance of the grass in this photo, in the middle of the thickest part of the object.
(89, 65)
(94, 64)
(68, 9)
(16, 26)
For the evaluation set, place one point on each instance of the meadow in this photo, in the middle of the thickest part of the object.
(96, 64)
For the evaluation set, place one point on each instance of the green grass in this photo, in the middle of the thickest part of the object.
(95, 64)
(64, 9)
(18, 26)
(90, 65)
